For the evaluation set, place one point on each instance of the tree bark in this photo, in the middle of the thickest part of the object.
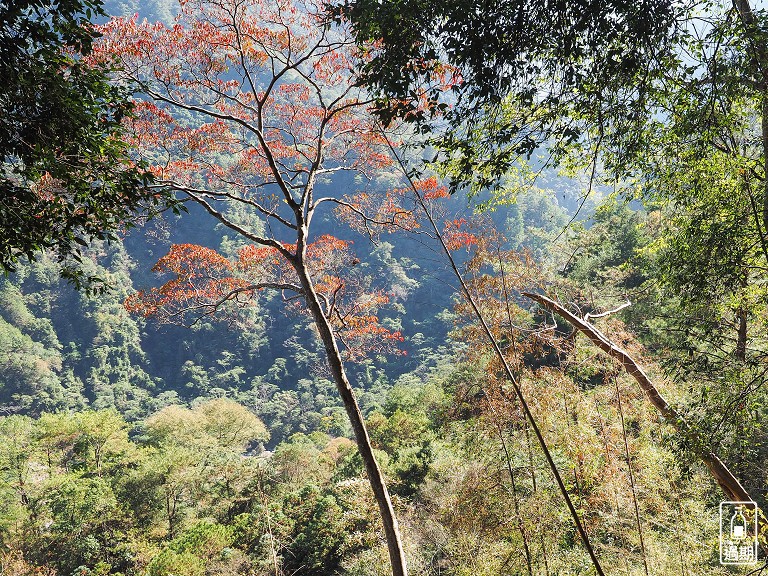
(375, 477)
(720, 472)
(741, 335)
(740, 351)
(764, 138)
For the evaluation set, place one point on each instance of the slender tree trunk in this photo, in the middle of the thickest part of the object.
(631, 477)
(578, 470)
(741, 335)
(170, 511)
(617, 507)
(275, 563)
(375, 477)
(764, 138)
(535, 488)
(511, 472)
(683, 570)
(741, 328)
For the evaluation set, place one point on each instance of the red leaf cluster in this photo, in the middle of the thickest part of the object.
(203, 282)
(455, 238)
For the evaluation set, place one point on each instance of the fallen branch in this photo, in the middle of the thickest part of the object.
(722, 475)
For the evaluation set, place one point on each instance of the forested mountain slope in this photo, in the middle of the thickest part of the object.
(545, 372)
(68, 350)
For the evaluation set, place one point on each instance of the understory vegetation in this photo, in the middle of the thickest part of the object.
(231, 471)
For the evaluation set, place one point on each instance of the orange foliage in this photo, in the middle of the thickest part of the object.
(455, 238)
(249, 103)
(201, 282)
(210, 58)
(204, 282)
(430, 189)
(190, 261)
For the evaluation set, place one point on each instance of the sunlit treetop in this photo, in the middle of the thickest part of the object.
(270, 107)
(253, 105)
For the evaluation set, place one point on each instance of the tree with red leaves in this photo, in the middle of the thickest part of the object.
(251, 104)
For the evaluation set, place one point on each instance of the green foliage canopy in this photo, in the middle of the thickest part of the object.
(524, 69)
(65, 172)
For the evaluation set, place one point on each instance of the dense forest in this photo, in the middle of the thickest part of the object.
(379, 288)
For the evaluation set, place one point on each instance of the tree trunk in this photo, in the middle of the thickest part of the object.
(741, 335)
(741, 328)
(375, 477)
(720, 472)
(764, 138)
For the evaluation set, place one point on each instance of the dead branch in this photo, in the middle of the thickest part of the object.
(720, 472)
(588, 316)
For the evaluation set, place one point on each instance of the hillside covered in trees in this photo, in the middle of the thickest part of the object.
(387, 289)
